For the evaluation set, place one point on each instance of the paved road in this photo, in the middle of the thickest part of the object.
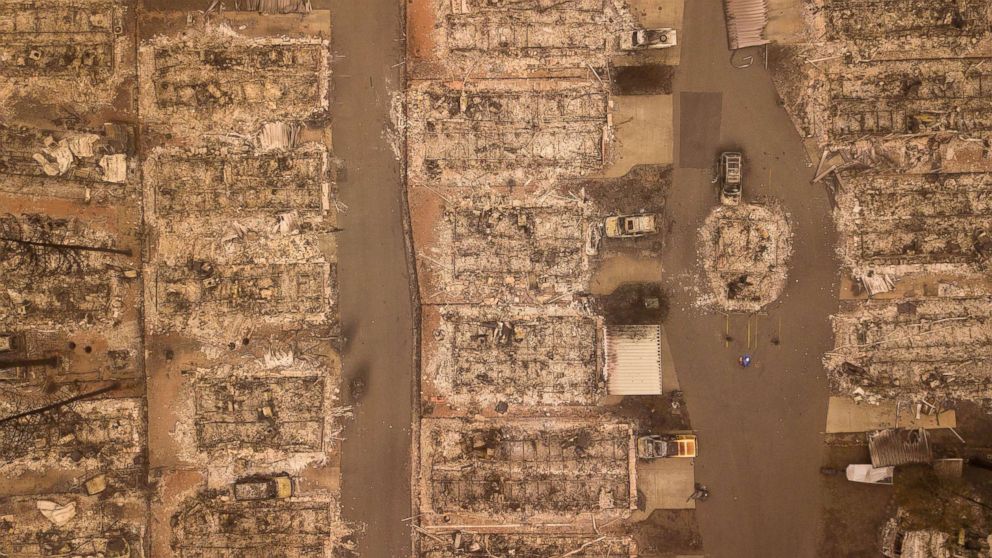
(760, 428)
(376, 308)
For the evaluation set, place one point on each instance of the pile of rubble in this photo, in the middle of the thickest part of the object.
(499, 248)
(927, 352)
(519, 356)
(488, 472)
(482, 37)
(745, 252)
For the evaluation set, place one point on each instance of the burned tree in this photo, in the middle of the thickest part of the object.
(45, 245)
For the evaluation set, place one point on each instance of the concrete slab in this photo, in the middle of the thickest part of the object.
(657, 13)
(617, 270)
(644, 132)
(844, 415)
(785, 22)
(699, 138)
(654, 14)
(666, 484)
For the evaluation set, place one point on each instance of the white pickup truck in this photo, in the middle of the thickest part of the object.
(643, 39)
(630, 226)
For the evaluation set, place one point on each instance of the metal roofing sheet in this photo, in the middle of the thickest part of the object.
(898, 446)
(633, 359)
(746, 21)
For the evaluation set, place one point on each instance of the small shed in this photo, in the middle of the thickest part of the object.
(899, 446)
(632, 359)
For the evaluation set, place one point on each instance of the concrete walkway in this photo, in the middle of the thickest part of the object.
(760, 428)
(376, 308)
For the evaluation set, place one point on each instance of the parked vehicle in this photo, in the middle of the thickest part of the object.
(630, 226)
(264, 487)
(731, 177)
(644, 39)
(654, 446)
(868, 474)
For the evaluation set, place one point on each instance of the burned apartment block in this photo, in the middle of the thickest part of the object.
(522, 357)
(487, 472)
(459, 543)
(505, 132)
(929, 351)
(244, 522)
(81, 50)
(480, 37)
(216, 80)
(498, 248)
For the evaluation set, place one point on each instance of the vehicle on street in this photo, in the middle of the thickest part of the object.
(731, 177)
(630, 226)
(645, 39)
(264, 487)
(654, 446)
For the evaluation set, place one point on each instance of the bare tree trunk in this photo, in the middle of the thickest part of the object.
(121, 251)
(8, 364)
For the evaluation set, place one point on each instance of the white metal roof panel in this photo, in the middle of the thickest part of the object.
(633, 359)
(746, 22)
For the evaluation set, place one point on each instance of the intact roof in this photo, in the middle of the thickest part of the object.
(633, 359)
(898, 446)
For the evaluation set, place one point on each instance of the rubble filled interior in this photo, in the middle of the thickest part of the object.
(745, 252)
(522, 355)
(525, 468)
